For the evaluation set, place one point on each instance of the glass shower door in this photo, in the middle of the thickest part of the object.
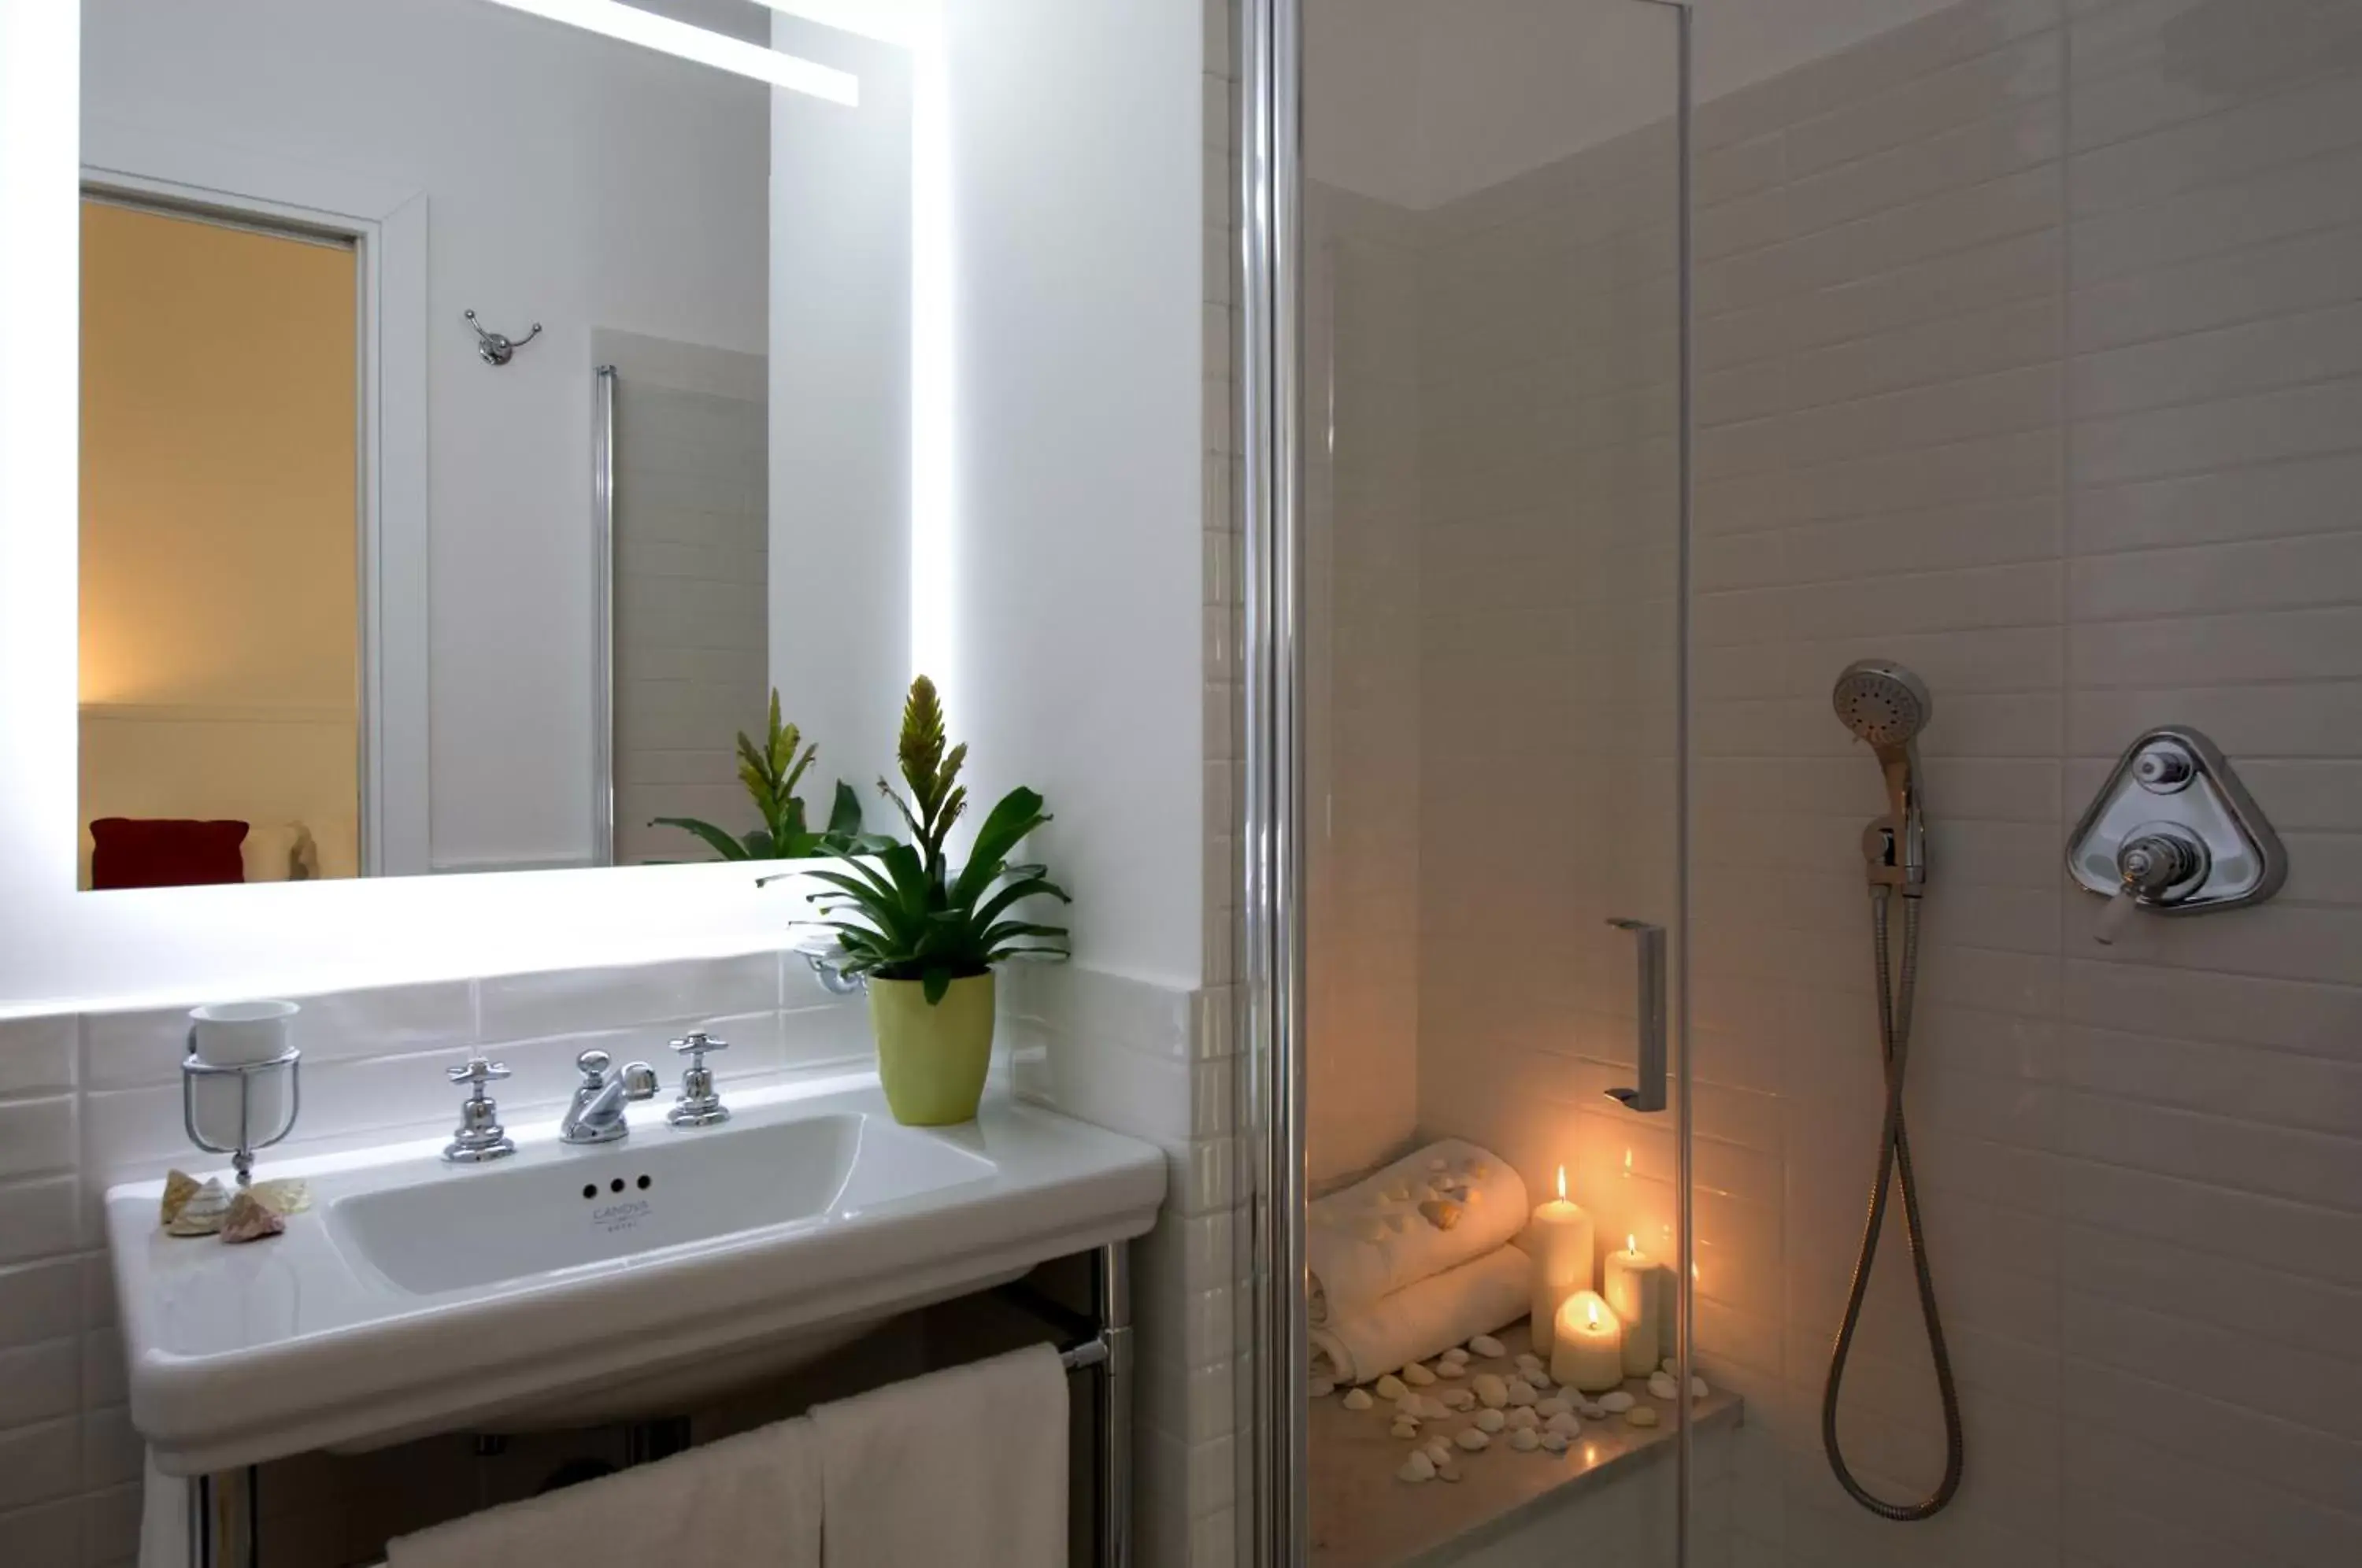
(1492, 625)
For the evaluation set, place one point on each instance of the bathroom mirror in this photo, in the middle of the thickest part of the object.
(485, 404)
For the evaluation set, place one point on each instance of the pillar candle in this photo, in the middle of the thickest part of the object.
(1634, 1288)
(1587, 1345)
(1559, 1239)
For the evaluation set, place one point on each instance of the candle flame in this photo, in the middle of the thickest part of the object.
(1632, 1243)
(1628, 1162)
(1562, 1183)
(1591, 1311)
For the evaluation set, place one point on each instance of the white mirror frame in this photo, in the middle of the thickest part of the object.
(59, 945)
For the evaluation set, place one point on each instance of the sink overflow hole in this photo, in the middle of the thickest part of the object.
(590, 1189)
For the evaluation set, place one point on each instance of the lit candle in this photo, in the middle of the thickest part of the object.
(1586, 1344)
(1559, 1239)
(1635, 1287)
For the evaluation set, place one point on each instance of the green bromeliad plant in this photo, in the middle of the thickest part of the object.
(770, 771)
(913, 917)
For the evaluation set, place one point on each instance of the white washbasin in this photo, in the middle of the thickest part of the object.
(417, 1296)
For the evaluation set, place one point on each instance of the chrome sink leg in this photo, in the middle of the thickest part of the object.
(1113, 1300)
(224, 1519)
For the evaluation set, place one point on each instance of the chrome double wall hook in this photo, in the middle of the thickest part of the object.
(498, 347)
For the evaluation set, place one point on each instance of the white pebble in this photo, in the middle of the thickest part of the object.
(1662, 1388)
(1553, 1442)
(1537, 1377)
(1433, 1410)
(1486, 1345)
(1457, 1355)
(1550, 1407)
(1618, 1401)
(1457, 1399)
(1404, 1428)
(1523, 1418)
(1669, 1367)
(1521, 1392)
(1491, 1391)
(1417, 1376)
(1528, 1362)
(1391, 1388)
(1491, 1420)
(1471, 1440)
(1525, 1441)
(1452, 1369)
(1641, 1416)
(1697, 1389)
(1322, 1388)
(1448, 1472)
(1591, 1410)
(1418, 1467)
(1565, 1426)
(1438, 1451)
(1359, 1399)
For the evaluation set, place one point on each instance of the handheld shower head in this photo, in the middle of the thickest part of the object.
(1886, 706)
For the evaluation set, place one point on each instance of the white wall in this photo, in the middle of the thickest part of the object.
(1079, 175)
(543, 203)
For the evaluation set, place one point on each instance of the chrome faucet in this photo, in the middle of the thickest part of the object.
(596, 1113)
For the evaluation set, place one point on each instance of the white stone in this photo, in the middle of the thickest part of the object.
(1521, 1392)
(1641, 1416)
(1452, 1369)
(1457, 1354)
(1416, 1468)
(1359, 1399)
(1523, 1419)
(1391, 1388)
(1618, 1400)
(1448, 1472)
(1490, 1420)
(1565, 1426)
(1662, 1388)
(1525, 1441)
(1432, 1409)
(1486, 1345)
(1491, 1391)
(1419, 1376)
(1457, 1399)
(1553, 1442)
(1438, 1451)
(1471, 1440)
(1537, 1377)
(1549, 1407)
(1403, 1429)
(1591, 1410)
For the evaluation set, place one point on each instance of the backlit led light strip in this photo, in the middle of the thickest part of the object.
(631, 25)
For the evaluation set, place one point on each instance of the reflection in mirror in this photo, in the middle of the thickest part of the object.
(486, 405)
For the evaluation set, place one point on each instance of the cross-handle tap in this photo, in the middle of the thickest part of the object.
(596, 1112)
(480, 1136)
(699, 1104)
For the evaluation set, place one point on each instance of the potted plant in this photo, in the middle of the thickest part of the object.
(770, 772)
(926, 937)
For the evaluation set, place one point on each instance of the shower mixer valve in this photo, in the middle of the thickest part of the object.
(2173, 832)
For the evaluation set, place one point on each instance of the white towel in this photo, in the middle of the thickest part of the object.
(1371, 1239)
(1424, 1319)
(957, 1469)
(753, 1498)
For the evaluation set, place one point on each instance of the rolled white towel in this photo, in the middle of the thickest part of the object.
(1402, 1225)
(1425, 1318)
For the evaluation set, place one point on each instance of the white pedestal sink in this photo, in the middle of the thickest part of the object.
(585, 1283)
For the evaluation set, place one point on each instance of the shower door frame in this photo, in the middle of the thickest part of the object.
(1270, 1002)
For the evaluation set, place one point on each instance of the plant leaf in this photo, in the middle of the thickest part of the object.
(718, 839)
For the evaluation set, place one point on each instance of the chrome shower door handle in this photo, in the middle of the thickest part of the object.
(1650, 1094)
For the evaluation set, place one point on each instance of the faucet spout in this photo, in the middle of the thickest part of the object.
(595, 1115)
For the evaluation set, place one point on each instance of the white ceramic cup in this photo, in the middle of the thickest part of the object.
(231, 1035)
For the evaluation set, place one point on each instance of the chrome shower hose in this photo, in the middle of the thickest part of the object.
(1895, 994)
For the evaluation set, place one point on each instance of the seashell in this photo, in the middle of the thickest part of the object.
(1641, 1416)
(1404, 1428)
(1491, 1391)
(1591, 1410)
(179, 1187)
(1525, 1441)
(1474, 1440)
(1391, 1388)
(1452, 1369)
(1486, 1345)
(1553, 1442)
(1697, 1389)
(1523, 1419)
(1565, 1426)
(1321, 1387)
(1490, 1420)
(1416, 1468)
(1440, 1213)
(1358, 1400)
(1521, 1392)
(1616, 1401)
(284, 1197)
(250, 1220)
(1662, 1388)
(1438, 1451)
(1550, 1407)
(1456, 1399)
(1419, 1376)
(203, 1211)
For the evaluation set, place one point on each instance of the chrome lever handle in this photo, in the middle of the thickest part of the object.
(1649, 1097)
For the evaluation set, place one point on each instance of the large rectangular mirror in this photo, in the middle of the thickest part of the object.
(486, 405)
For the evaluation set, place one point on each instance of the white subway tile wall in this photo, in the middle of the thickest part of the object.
(2031, 356)
(92, 1100)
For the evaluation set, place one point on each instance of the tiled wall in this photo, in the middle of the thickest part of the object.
(2030, 356)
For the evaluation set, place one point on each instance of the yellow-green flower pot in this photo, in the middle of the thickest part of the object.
(932, 1060)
